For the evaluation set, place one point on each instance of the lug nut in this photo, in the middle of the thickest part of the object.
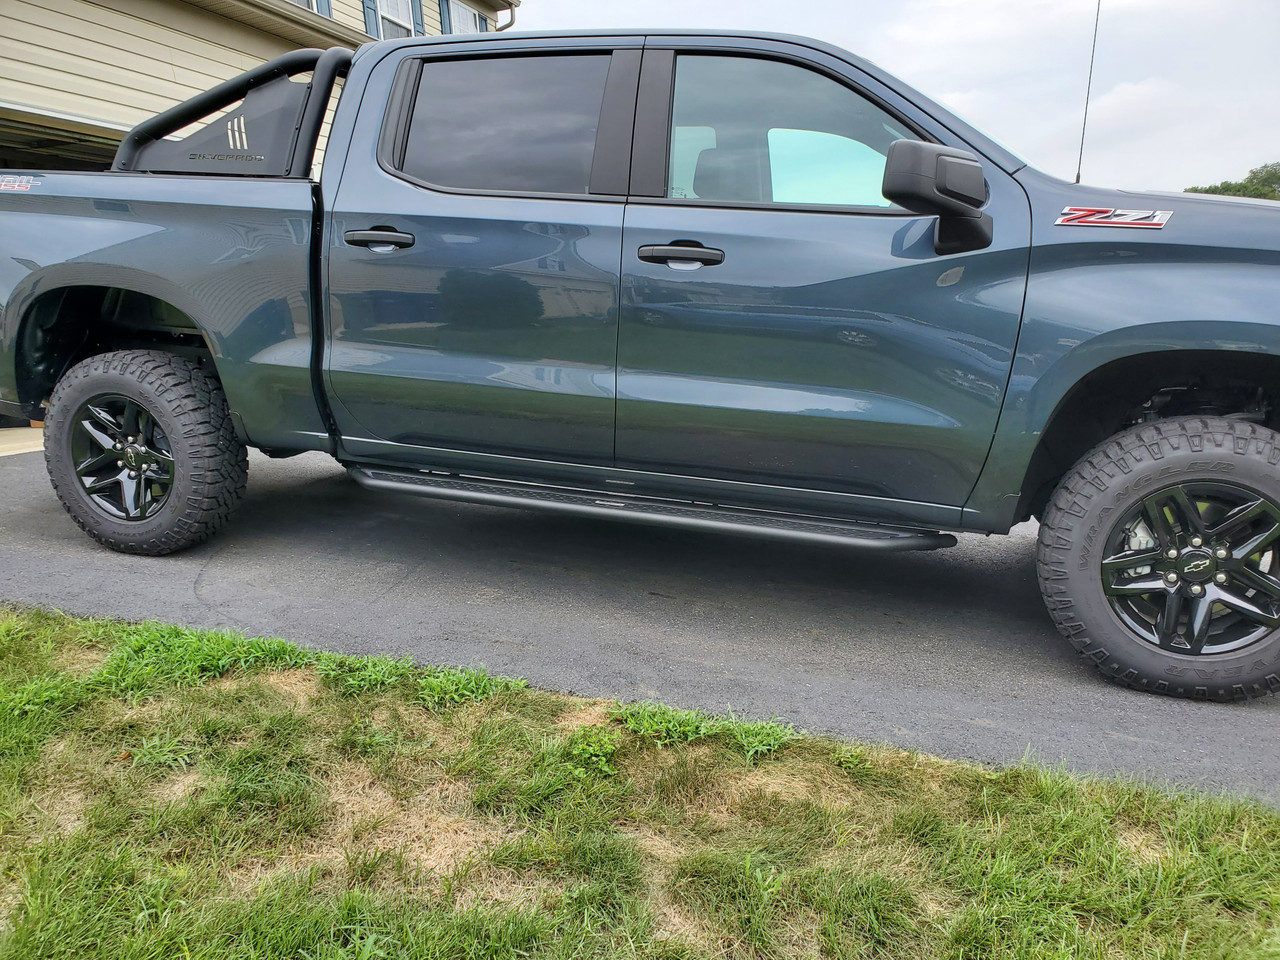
(1195, 541)
(1171, 576)
(1219, 577)
(129, 439)
(133, 474)
(1196, 589)
(119, 463)
(118, 445)
(1171, 553)
(1221, 553)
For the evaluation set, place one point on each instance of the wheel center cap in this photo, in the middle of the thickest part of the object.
(1197, 566)
(132, 457)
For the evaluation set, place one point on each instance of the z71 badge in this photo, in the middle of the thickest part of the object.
(1110, 217)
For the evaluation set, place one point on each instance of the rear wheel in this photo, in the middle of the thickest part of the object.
(1159, 558)
(142, 451)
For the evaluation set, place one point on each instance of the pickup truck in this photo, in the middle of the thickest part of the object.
(742, 283)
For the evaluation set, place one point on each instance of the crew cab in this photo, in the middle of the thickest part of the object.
(743, 283)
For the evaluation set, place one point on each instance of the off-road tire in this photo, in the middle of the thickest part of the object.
(1095, 494)
(210, 464)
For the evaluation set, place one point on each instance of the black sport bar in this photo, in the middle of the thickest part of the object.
(326, 66)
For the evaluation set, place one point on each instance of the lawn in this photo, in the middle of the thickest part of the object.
(167, 793)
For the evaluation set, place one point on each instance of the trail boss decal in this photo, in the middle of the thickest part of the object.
(1110, 217)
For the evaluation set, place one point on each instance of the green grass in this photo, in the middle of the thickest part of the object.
(176, 793)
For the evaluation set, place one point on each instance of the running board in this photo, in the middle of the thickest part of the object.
(669, 513)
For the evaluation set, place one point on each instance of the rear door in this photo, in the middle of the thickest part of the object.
(816, 340)
(474, 258)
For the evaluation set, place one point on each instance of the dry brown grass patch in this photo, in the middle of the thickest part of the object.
(432, 828)
(59, 810)
(1146, 846)
(498, 885)
(300, 686)
(672, 921)
(593, 713)
(79, 659)
(176, 788)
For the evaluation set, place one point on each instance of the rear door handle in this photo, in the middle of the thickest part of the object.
(707, 256)
(378, 237)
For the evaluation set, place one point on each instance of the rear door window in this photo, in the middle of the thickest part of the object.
(509, 124)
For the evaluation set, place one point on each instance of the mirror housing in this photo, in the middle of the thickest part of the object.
(941, 182)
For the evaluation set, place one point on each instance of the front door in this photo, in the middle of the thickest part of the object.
(474, 261)
(816, 340)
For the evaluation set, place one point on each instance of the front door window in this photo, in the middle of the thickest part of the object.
(763, 131)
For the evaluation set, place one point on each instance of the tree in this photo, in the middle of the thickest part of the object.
(1262, 182)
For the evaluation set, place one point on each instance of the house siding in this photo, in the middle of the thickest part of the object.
(85, 71)
(116, 67)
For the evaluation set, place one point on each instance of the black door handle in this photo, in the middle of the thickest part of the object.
(707, 256)
(378, 237)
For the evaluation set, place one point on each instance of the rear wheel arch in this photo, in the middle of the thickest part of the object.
(69, 323)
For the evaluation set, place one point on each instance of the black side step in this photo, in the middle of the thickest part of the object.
(671, 513)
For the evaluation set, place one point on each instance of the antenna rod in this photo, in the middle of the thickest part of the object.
(1088, 89)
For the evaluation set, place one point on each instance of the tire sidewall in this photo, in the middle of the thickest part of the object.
(1208, 451)
(72, 393)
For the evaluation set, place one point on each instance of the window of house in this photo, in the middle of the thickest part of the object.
(305, 4)
(762, 131)
(513, 124)
(395, 19)
(465, 19)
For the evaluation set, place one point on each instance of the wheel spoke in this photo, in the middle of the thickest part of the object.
(1167, 619)
(1148, 583)
(1248, 607)
(1256, 542)
(105, 420)
(145, 427)
(97, 434)
(1242, 514)
(102, 484)
(1264, 583)
(1186, 513)
(91, 467)
(1158, 524)
(130, 418)
(164, 465)
(1201, 614)
(1121, 562)
(132, 497)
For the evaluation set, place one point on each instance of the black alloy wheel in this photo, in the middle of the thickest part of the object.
(1192, 569)
(122, 457)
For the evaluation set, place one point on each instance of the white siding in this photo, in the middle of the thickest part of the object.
(119, 64)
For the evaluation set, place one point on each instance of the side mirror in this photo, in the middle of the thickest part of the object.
(942, 182)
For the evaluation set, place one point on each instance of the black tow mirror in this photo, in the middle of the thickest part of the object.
(942, 182)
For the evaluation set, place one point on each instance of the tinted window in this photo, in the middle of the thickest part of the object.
(761, 131)
(519, 124)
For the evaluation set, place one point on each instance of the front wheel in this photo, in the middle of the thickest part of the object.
(1159, 558)
(142, 451)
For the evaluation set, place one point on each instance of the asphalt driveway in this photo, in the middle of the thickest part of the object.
(949, 652)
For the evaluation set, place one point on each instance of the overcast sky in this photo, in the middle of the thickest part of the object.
(1185, 92)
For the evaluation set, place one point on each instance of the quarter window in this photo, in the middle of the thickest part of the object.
(762, 131)
(513, 124)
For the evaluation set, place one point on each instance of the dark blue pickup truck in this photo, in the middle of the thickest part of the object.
(730, 282)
